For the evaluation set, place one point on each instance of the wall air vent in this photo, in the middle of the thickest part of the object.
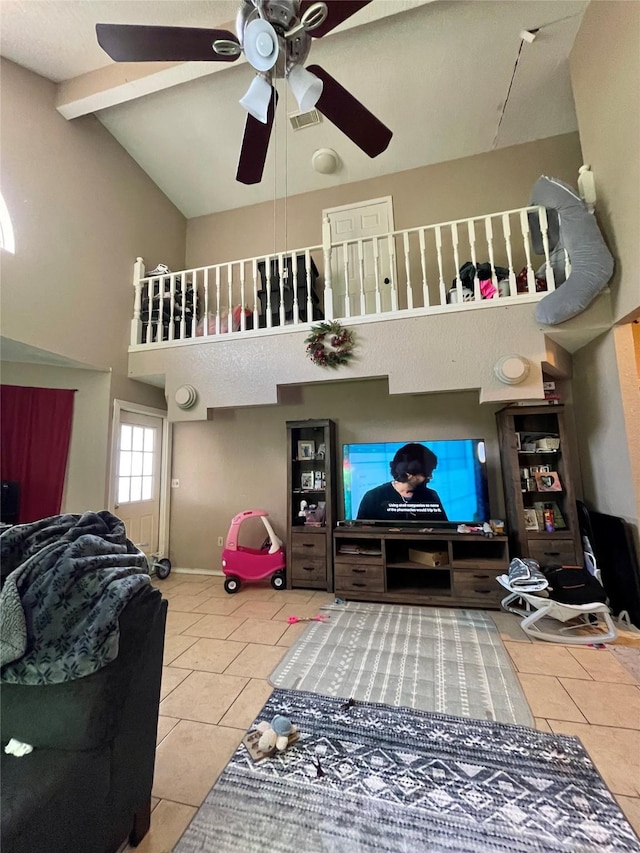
(301, 120)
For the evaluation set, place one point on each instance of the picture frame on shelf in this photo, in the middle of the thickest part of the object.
(318, 480)
(306, 449)
(548, 481)
(306, 481)
(322, 450)
(531, 521)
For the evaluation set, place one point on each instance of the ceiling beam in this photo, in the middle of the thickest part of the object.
(120, 82)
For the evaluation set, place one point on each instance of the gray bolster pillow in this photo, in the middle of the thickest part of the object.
(576, 231)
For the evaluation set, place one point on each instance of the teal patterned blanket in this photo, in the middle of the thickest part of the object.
(67, 579)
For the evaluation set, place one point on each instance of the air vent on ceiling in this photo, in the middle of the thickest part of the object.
(302, 120)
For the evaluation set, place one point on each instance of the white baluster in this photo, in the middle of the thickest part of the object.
(218, 319)
(506, 230)
(196, 301)
(376, 272)
(544, 230)
(294, 276)
(229, 298)
(456, 261)
(326, 252)
(267, 269)
(471, 229)
(391, 244)
(526, 235)
(443, 292)
(183, 306)
(407, 270)
(254, 275)
(136, 323)
(307, 267)
(363, 301)
(488, 230)
(345, 262)
(172, 306)
(282, 272)
(243, 321)
(205, 320)
(423, 264)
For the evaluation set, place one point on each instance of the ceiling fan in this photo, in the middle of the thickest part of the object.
(275, 37)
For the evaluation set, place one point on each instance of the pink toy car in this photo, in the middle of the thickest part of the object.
(240, 563)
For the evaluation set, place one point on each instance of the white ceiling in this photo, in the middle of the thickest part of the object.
(437, 73)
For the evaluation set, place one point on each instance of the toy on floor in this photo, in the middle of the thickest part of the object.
(268, 738)
(240, 563)
(321, 617)
(276, 733)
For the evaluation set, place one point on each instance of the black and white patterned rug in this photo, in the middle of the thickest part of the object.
(368, 777)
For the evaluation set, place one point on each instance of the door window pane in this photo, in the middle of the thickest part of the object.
(136, 463)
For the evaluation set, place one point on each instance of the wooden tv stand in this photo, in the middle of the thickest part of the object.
(373, 563)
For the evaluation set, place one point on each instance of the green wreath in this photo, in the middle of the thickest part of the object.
(340, 340)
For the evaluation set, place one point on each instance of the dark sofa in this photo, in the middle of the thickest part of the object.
(86, 786)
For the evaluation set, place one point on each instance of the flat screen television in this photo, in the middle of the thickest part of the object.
(454, 490)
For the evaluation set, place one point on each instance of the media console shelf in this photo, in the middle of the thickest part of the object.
(374, 564)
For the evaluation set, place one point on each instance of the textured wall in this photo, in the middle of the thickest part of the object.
(82, 211)
(236, 461)
(453, 351)
(605, 74)
(473, 186)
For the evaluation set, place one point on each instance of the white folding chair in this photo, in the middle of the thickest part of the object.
(535, 607)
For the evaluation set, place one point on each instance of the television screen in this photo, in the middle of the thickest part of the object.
(424, 482)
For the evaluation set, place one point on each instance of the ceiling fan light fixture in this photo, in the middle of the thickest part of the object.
(260, 44)
(306, 87)
(257, 98)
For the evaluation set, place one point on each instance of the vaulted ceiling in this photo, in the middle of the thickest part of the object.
(451, 79)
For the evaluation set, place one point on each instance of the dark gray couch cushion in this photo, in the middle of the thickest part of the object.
(85, 713)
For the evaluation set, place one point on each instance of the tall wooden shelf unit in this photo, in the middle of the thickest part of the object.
(563, 546)
(309, 548)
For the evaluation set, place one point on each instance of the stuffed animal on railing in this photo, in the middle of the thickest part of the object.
(572, 226)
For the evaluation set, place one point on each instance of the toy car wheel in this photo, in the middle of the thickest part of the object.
(163, 568)
(277, 580)
(232, 585)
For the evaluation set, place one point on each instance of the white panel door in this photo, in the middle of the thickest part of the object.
(361, 222)
(137, 477)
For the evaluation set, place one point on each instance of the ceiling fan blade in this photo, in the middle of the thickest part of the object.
(255, 144)
(350, 116)
(140, 43)
(338, 11)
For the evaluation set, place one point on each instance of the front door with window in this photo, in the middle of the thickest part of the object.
(137, 477)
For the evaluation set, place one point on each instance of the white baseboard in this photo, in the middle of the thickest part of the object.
(217, 573)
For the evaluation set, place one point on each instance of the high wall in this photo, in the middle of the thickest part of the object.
(605, 74)
(472, 186)
(237, 460)
(82, 210)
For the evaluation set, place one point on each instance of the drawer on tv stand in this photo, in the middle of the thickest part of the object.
(359, 571)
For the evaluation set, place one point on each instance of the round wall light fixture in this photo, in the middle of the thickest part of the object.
(325, 161)
(186, 397)
(512, 369)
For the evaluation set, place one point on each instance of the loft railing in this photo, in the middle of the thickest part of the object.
(411, 271)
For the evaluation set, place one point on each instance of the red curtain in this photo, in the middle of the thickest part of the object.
(35, 430)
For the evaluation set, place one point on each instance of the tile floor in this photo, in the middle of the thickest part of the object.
(220, 650)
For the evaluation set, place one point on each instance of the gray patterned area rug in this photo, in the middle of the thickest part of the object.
(435, 659)
(366, 777)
